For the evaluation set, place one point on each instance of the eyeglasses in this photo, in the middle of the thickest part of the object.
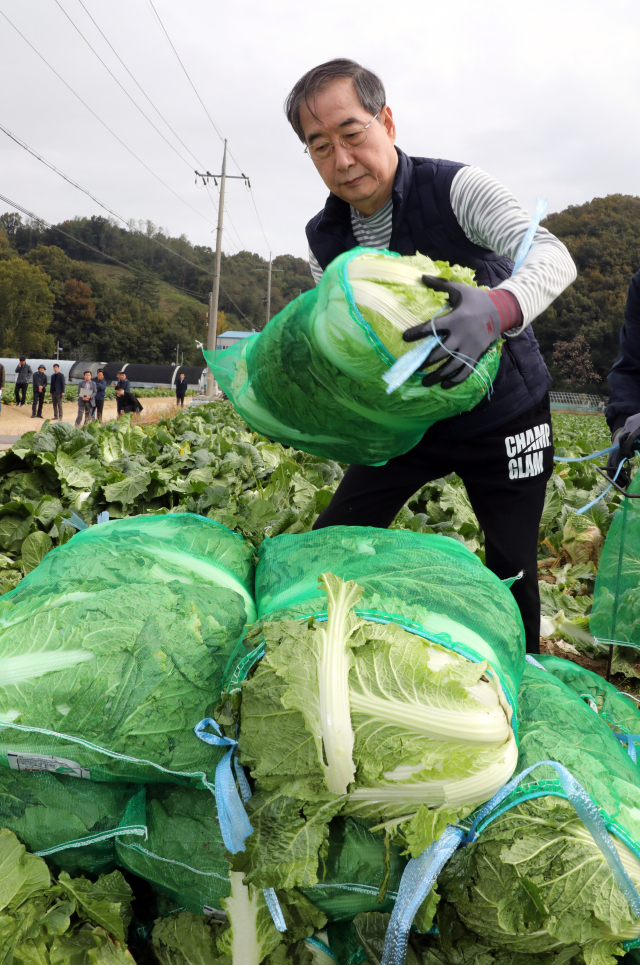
(321, 150)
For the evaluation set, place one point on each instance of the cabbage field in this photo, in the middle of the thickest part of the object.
(205, 460)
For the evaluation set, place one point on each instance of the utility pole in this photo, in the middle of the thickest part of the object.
(58, 349)
(269, 270)
(177, 350)
(212, 330)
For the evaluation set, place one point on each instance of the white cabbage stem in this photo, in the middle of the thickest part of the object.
(334, 662)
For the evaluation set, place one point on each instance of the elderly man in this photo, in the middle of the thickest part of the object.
(381, 198)
(86, 400)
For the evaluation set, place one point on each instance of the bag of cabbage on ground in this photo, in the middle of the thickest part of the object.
(313, 378)
(535, 882)
(113, 648)
(615, 615)
(71, 823)
(387, 693)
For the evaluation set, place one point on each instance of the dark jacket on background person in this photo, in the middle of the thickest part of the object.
(24, 373)
(57, 383)
(181, 387)
(424, 221)
(125, 384)
(39, 378)
(128, 403)
(624, 377)
(101, 387)
(1, 376)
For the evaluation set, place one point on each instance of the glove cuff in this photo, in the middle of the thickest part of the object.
(508, 308)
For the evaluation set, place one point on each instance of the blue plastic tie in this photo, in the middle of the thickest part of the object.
(76, 521)
(594, 455)
(534, 663)
(411, 361)
(417, 881)
(235, 826)
(103, 517)
(525, 244)
(604, 492)
(629, 740)
(588, 814)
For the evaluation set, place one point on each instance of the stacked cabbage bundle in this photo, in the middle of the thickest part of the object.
(313, 379)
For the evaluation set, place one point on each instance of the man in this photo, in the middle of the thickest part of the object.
(181, 390)
(382, 198)
(122, 382)
(623, 411)
(23, 374)
(86, 400)
(56, 388)
(127, 402)
(101, 388)
(1, 383)
(39, 386)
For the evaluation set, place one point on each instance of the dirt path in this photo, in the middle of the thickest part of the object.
(15, 421)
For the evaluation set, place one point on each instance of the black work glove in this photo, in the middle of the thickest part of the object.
(477, 320)
(627, 437)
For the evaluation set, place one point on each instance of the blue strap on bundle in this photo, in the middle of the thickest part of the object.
(235, 826)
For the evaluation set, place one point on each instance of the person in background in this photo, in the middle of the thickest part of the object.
(181, 390)
(127, 402)
(122, 382)
(39, 387)
(86, 400)
(56, 388)
(101, 388)
(23, 374)
(623, 411)
(1, 383)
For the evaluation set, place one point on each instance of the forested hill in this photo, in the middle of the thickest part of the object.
(104, 311)
(581, 329)
(98, 309)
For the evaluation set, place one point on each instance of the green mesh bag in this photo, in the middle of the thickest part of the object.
(535, 882)
(619, 709)
(431, 585)
(313, 378)
(114, 647)
(183, 856)
(615, 616)
(71, 823)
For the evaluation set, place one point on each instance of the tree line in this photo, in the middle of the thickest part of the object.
(52, 279)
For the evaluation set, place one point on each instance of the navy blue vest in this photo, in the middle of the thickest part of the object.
(423, 221)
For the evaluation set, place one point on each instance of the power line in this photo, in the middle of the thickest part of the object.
(91, 111)
(164, 30)
(122, 88)
(140, 88)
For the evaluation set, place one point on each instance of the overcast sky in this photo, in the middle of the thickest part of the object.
(543, 95)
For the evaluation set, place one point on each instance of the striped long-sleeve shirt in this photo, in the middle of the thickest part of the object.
(491, 217)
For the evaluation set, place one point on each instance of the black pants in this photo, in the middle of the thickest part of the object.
(98, 409)
(20, 387)
(57, 398)
(505, 473)
(180, 400)
(36, 405)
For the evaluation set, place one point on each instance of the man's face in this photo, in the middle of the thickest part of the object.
(56, 369)
(363, 175)
(119, 392)
(121, 376)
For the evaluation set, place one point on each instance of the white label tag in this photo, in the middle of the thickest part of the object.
(43, 762)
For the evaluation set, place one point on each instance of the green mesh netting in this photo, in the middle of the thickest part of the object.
(353, 877)
(615, 616)
(73, 823)
(534, 881)
(184, 856)
(113, 648)
(428, 584)
(617, 708)
(313, 379)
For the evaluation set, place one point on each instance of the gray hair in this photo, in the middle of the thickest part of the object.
(369, 88)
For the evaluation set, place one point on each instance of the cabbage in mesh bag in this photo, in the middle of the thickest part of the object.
(313, 378)
(114, 647)
(535, 881)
